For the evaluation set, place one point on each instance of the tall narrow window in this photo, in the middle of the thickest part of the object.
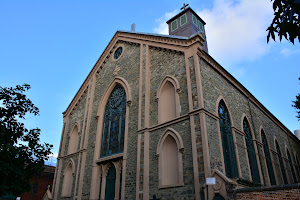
(194, 18)
(298, 166)
(281, 163)
(114, 123)
(291, 166)
(201, 27)
(67, 181)
(268, 158)
(110, 183)
(73, 142)
(170, 159)
(227, 141)
(168, 99)
(251, 152)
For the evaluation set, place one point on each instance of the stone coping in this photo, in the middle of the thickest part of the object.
(269, 188)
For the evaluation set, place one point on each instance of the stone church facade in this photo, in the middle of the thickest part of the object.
(157, 115)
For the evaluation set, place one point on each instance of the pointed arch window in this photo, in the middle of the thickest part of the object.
(268, 158)
(169, 151)
(251, 152)
(114, 123)
(73, 141)
(168, 99)
(68, 180)
(281, 163)
(227, 141)
(291, 165)
(297, 165)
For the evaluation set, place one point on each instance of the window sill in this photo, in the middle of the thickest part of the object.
(109, 158)
(65, 196)
(170, 186)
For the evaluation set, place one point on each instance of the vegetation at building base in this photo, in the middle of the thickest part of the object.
(286, 20)
(296, 104)
(21, 154)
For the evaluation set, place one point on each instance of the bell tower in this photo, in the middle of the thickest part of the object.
(187, 23)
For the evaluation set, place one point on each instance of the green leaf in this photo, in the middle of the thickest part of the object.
(268, 37)
(18, 162)
(273, 35)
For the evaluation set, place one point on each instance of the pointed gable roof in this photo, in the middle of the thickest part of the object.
(175, 43)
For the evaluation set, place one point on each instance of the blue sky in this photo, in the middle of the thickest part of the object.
(53, 45)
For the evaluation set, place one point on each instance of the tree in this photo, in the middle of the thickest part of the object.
(21, 154)
(286, 20)
(297, 104)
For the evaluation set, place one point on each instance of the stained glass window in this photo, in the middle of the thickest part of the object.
(281, 164)
(251, 152)
(114, 123)
(291, 165)
(227, 141)
(268, 159)
(118, 53)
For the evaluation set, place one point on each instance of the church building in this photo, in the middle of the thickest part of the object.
(158, 118)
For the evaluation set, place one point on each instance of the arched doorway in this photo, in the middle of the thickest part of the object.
(110, 183)
(218, 197)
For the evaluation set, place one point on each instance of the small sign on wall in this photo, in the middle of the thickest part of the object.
(211, 181)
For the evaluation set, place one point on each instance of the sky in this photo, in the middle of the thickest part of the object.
(53, 45)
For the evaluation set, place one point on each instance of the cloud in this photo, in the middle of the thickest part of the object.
(236, 30)
(287, 52)
(162, 27)
(52, 159)
(53, 155)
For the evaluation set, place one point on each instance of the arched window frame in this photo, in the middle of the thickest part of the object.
(221, 98)
(114, 120)
(176, 86)
(244, 117)
(104, 170)
(291, 163)
(170, 132)
(262, 132)
(297, 164)
(65, 193)
(73, 142)
(96, 172)
(281, 161)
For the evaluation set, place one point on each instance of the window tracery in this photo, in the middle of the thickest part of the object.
(291, 166)
(114, 123)
(227, 141)
(268, 159)
(281, 164)
(251, 152)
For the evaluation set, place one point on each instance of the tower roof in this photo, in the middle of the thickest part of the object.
(187, 23)
(184, 11)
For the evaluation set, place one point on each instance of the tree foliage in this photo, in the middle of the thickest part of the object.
(286, 20)
(296, 104)
(21, 154)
